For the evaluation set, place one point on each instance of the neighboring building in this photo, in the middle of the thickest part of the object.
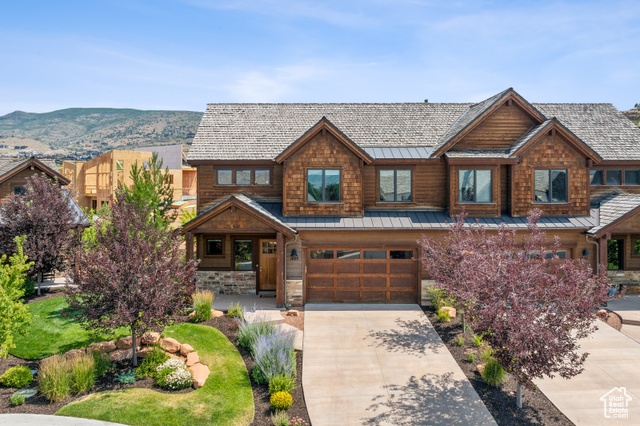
(94, 182)
(325, 202)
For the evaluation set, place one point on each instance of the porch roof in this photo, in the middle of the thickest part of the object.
(613, 209)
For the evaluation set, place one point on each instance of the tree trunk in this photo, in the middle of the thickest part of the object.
(519, 395)
(39, 279)
(134, 358)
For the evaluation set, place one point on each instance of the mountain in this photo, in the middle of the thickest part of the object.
(633, 115)
(77, 129)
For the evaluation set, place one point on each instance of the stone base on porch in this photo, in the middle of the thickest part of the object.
(294, 293)
(624, 277)
(227, 282)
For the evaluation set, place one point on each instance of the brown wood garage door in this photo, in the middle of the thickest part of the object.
(372, 275)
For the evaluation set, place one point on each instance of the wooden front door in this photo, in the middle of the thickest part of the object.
(268, 262)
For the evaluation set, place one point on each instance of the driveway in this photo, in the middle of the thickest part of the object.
(382, 364)
(612, 363)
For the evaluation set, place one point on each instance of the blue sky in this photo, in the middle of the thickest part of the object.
(184, 54)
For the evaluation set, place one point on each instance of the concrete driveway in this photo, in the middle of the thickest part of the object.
(612, 363)
(382, 364)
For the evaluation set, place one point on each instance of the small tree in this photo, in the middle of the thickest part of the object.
(15, 317)
(45, 216)
(130, 273)
(532, 309)
(152, 188)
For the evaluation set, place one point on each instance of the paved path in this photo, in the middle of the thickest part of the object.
(628, 307)
(42, 420)
(382, 364)
(613, 362)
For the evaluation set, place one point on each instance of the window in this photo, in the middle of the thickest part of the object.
(401, 254)
(550, 186)
(19, 190)
(243, 177)
(348, 254)
(321, 254)
(596, 177)
(614, 177)
(635, 245)
(119, 164)
(214, 247)
(395, 185)
(474, 186)
(323, 185)
(269, 247)
(262, 177)
(632, 177)
(243, 255)
(224, 177)
(375, 254)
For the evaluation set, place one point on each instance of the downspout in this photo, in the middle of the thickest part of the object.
(595, 243)
(284, 285)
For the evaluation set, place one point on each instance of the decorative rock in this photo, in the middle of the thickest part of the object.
(200, 373)
(144, 351)
(293, 313)
(170, 345)
(192, 359)
(602, 313)
(452, 311)
(480, 368)
(121, 354)
(150, 338)
(185, 349)
(102, 347)
(73, 352)
(27, 393)
(176, 356)
(124, 343)
(216, 314)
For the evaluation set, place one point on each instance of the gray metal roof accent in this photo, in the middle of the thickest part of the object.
(403, 152)
(476, 153)
(614, 207)
(79, 217)
(411, 219)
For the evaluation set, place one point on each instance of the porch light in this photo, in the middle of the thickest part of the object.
(585, 253)
(294, 255)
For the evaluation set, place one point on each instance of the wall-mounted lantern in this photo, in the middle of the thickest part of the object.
(294, 255)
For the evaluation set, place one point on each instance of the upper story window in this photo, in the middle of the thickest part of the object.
(596, 177)
(19, 190)
(474, 186)
(632, 177)
(551, 186)
(243, 177)
(614, 177)
(214, 247)
(395, 185)
(323, 185)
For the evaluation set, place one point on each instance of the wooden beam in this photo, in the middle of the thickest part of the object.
(603, 253)
(189, 243)
(280, 270)
(231, 231)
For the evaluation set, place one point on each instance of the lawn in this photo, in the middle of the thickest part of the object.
(54, 331)
(225, 399)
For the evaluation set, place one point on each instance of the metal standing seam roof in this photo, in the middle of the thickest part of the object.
(615, 207)
(402, 152)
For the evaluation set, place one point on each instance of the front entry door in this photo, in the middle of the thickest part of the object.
(268, 262)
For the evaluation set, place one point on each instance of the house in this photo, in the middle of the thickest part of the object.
(325, 202)
(94, 182)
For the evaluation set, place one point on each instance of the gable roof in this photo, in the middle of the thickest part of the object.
(11, 166)
(324, 125)
(263, 131)
(613, 209)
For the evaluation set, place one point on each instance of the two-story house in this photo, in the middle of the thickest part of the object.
(325, 202)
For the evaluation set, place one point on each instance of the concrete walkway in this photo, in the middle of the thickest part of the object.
(42, 420)
(382, 364)
(612, 363)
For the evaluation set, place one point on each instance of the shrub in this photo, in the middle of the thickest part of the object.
(249, 332)
(439, 298)
(202, 301)
(470, 357)
(151, 361)
(487, 354)
(443, 316)
(17, 399)
(282, 383)
(83, 373)
(298, 421)
(102, 363)
(274, 355)
(54, 380)
(173, 375)
(459, 341)
(29, 287)
(126, 378)
(477, 340)
(493, 373)
(17, 377)
(236, 311)
(281, 400)
(280, 418)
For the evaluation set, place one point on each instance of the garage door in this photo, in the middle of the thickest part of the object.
(372, 275)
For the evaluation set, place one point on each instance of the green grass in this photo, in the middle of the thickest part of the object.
(225, 399)
(51, 332)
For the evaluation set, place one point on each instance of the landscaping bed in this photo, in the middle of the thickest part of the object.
(500, 401)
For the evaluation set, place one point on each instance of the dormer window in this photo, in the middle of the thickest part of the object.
(551, 186)
(395, 185)
(474, 186)
(323, 185)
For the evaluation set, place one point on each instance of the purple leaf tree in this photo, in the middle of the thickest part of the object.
(45, 216)
(130, 273)
(530, 306)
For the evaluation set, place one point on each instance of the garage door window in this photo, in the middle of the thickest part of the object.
(321, 254)
(401, 254)
(348, 254)
(375, 254)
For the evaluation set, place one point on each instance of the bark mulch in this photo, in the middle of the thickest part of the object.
(261, 392)
(501, 402)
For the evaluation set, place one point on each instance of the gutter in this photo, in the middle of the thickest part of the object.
(595, 243)
(284, 284)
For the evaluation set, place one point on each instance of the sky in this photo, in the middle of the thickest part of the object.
(183, 54)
